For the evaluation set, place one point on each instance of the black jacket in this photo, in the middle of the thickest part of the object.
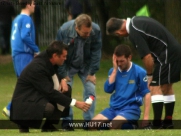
(34, 89)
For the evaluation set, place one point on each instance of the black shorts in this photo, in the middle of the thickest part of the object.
(166, 73)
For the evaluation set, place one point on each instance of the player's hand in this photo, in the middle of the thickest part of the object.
(114, 61)
(145, 124)
(149, 79)
(82, 105)
(91, 78)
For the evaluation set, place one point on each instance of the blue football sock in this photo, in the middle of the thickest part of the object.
(8, 106)
(127, 126)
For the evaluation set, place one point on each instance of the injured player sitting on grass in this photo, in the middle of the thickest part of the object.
(127, 82)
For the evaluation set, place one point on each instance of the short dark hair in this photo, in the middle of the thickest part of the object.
(23, 3)
(122, 50)
(56, 47)
(113, 24)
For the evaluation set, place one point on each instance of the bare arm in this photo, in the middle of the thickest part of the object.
(147, 101)
(148, 63)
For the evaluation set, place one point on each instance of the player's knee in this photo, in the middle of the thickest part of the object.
(164, 91)
(167, 89)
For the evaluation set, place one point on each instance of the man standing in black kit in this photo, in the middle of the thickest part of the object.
(161, 55)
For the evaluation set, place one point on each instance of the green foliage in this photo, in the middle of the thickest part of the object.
(144, 11)
(128, 8)
(113, 43)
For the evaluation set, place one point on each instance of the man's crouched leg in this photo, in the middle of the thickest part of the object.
(52, 115)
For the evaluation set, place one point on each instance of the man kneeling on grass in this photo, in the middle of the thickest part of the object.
(38, 93)
(127, 83)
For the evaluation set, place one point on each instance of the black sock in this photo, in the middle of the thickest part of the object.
(169, 108)
(157, 110)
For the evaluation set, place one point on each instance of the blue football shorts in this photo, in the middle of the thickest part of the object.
(20, 61)
(129, 114)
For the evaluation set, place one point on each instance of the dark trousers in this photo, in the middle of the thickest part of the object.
(52, 114)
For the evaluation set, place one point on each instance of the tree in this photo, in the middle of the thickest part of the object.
(173, 17)
(104, 10)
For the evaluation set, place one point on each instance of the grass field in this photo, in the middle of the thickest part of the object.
(7, 84)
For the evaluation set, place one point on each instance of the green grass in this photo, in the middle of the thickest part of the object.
(35, 132)
(7, 85)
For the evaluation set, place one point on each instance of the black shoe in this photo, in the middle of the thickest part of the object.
(167, 126)
(23, 129)
(68, 128)
(151, 126)
(66, 125)
(85, 125)
(48, 128)
(148, 127)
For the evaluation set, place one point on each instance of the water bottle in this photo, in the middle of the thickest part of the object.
(89, 100)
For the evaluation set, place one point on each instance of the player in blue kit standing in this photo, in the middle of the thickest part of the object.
(23, 44)
(127, 83)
